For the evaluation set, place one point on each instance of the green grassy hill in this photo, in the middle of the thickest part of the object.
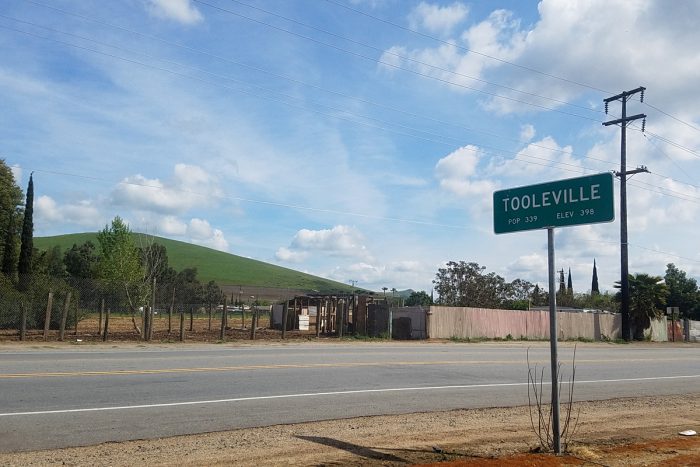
(224, 268)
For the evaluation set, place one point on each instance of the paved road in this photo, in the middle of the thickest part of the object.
(84, 395)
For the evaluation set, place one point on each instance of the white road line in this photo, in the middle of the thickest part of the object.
(333, 393)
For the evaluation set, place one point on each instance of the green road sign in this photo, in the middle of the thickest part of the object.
(574, 201)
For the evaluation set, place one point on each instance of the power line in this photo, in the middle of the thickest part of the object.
(324, 89)
(651, 141)
(431, 136)
(664, 253)
(549, 163)
(403, 57)
(679, 120)
(262, 70)
(416, 131)
(507, 62)
(258, 201)
(391, 65)
(305, 208)
(467, 49)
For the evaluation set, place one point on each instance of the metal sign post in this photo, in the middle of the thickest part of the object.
(553, 341)
(574, 201)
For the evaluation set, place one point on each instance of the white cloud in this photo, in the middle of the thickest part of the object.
(436, 18)
(199, 229)
(340, 240)
(498, 36)
(367, 275)
(16, 173)
(290, 256)
(456, 171)
(202, 233)
(181, 11)
(171, 225)
(532, 267)
(527, 132)
(540, 160)
(190, 187)
(401, 274)
(83, 213)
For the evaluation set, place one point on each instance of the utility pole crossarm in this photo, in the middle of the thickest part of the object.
(638, 170)
(625, 94)
(624, 120)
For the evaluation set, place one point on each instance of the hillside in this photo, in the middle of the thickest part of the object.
(224, 268)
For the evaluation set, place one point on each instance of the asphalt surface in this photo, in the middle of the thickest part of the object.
(73, 396)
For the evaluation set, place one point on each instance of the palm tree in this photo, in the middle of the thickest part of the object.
(647, 298)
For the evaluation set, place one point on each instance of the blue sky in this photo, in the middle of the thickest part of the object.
(354, 139)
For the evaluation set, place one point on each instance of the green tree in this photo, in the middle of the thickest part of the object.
(24, 266)
(10, 200)
(81, 261)
(466, 284)
(188, 289)
(683, 292)
(212, 294)
(562, 287)
(594, 282)
(419, 299)
(600, 301)
(539, 297)
(120, 264)
(50, 263)
(9, 254)
(648, 296)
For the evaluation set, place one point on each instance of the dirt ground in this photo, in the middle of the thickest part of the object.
(622, 432)
(121, 329)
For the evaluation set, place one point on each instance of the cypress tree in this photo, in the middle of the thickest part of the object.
(594, 284)
(569, 286)
(24, 266)
(8, 256)
(561, 282)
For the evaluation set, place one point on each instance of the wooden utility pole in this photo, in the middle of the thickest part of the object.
(623, 174)
(47, 320)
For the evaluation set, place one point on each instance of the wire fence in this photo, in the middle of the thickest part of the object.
(41, 307)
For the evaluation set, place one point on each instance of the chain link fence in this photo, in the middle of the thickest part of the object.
(41, 307)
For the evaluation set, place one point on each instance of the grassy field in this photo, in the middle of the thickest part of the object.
(224, 268)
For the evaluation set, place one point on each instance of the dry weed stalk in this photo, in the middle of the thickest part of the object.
(542, 410)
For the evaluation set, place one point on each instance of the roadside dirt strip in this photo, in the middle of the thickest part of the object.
(621, 432)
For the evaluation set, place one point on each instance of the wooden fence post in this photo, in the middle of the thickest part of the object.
(191, 318)
(102, 312)
(253, 324)
(146, 323)
(318, 317)
(210, 307)
(105, 334)
(64, 316)
(182, 326)
(47, 320)
(106, 331)
(222, 333)
(75, 315)
(285, 313)
(143, 322)
(23, 323)
(153, 311)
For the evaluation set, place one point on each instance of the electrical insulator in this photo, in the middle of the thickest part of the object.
(641, 96)
(644, 124)
(606, 107)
